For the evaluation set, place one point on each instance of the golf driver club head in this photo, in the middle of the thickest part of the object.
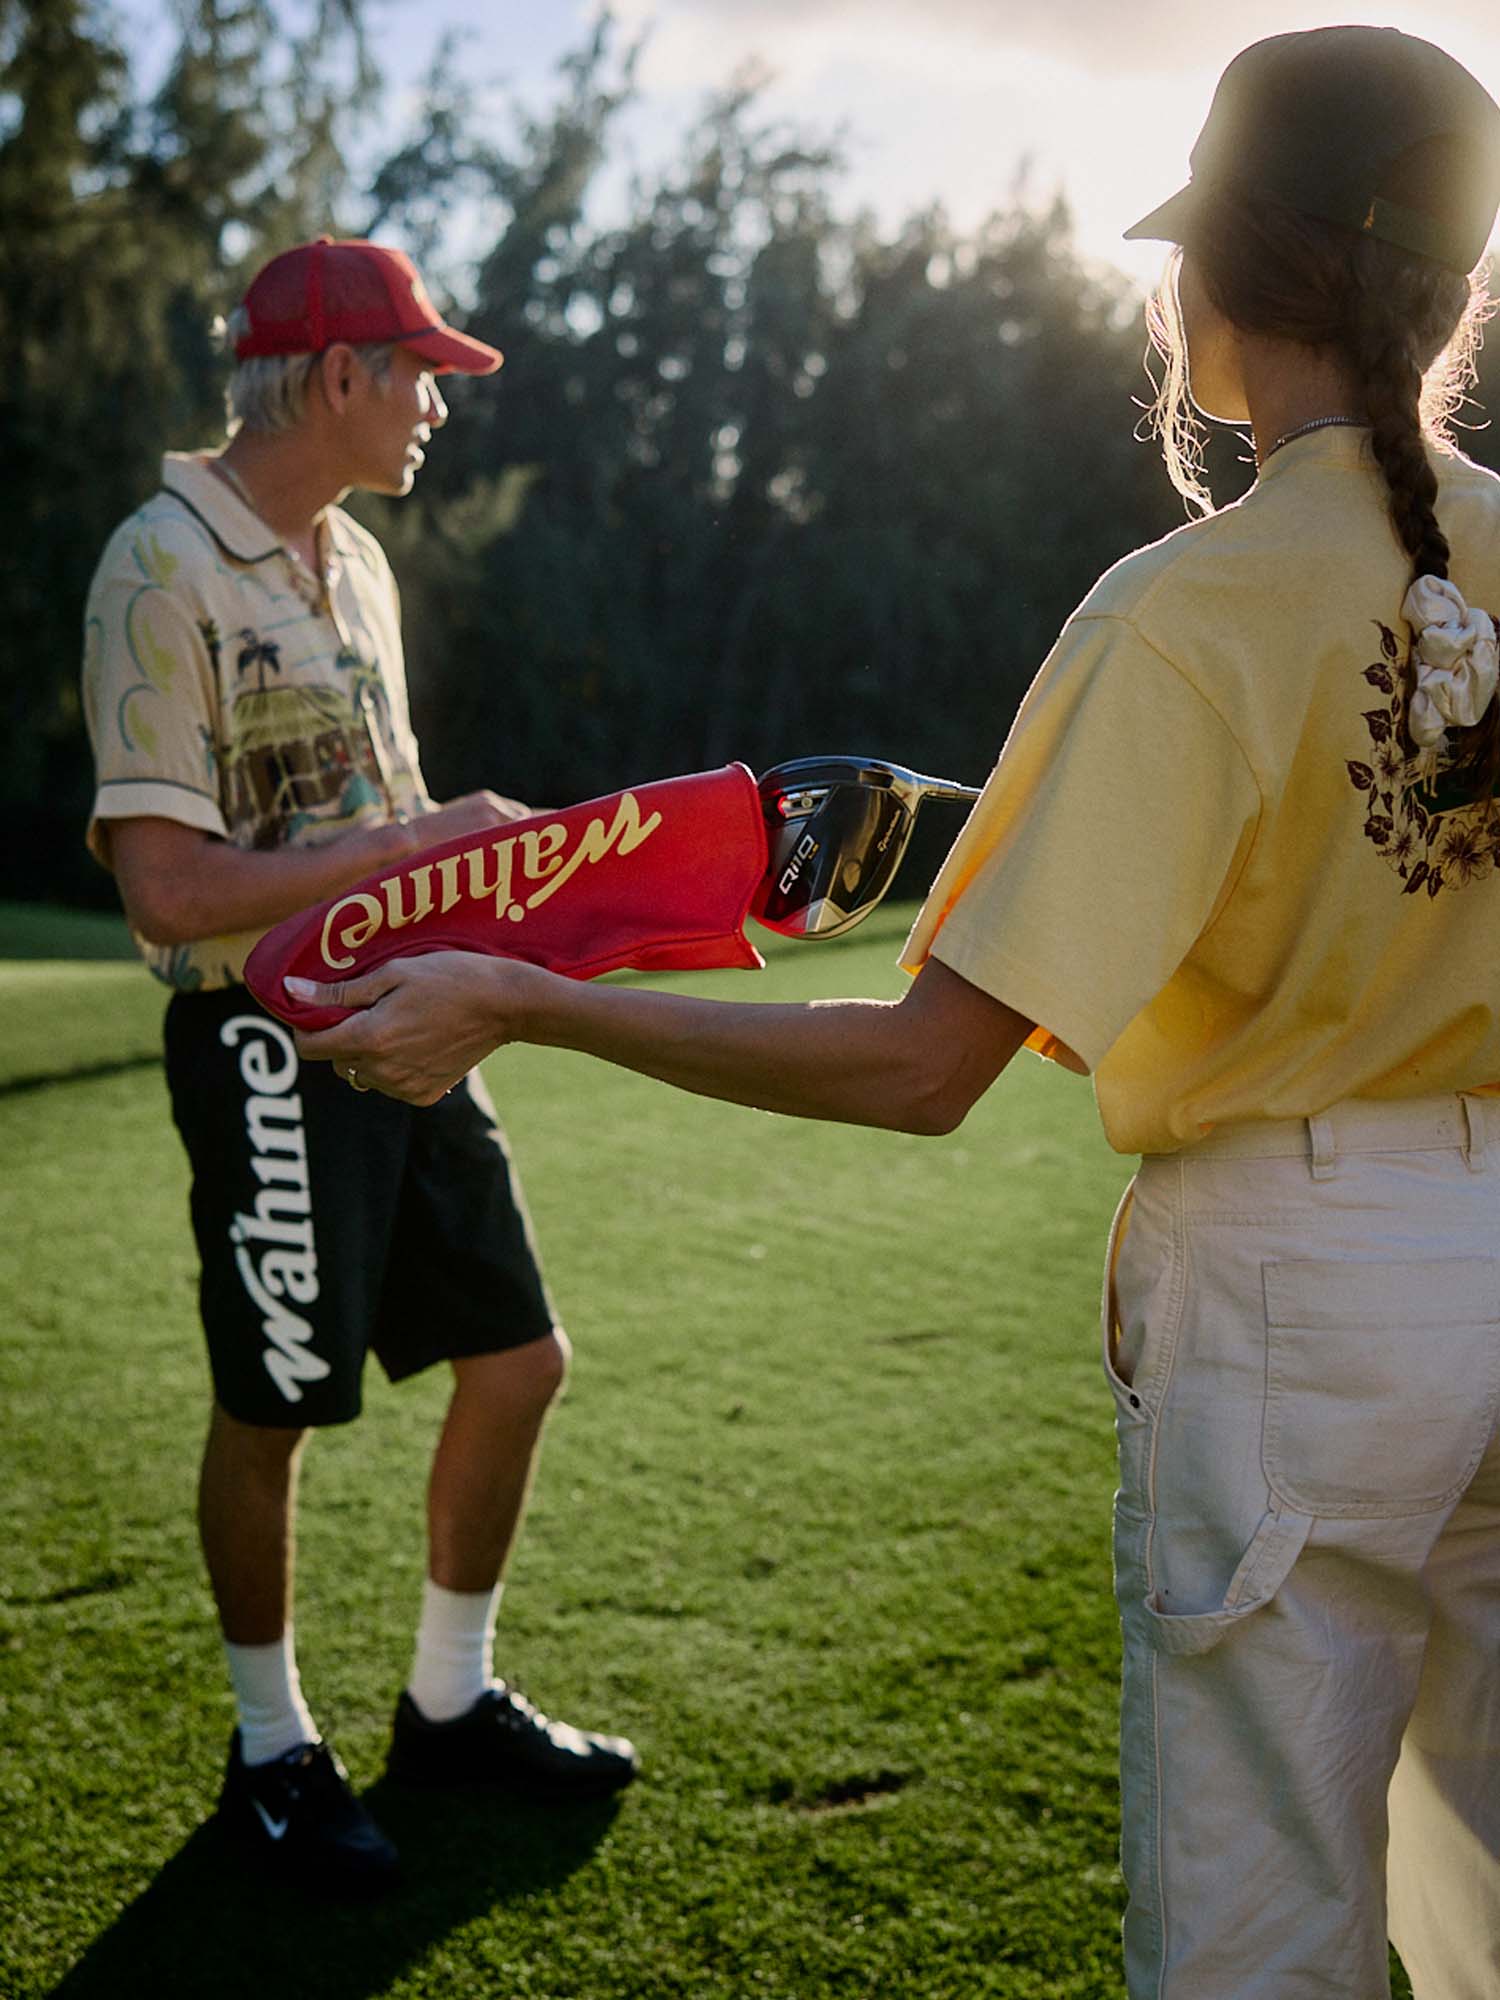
(837, 828)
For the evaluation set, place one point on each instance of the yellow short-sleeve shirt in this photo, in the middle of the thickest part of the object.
(1205, 863)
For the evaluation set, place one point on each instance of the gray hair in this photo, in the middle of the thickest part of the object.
(269, 391)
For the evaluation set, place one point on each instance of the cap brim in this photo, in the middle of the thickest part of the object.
(1167, 223)
(454, 353)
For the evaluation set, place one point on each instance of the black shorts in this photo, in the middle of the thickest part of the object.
(331, 1221)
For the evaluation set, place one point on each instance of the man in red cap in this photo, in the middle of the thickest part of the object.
(246, 700)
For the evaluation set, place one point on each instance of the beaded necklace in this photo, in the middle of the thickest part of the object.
(1315, 424)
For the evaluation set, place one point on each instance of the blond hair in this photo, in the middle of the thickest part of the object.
(1408, 330)
(268, 392)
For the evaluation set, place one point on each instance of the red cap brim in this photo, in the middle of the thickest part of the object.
(452, 353)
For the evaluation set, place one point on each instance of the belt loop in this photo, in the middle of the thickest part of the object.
(1474, 1128)
(1323, 1161)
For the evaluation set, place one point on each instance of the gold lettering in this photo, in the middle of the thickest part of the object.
(542, 850)
(629, 829)
(421, 882)
(623, 835)
(357, 933)
(504, 852)
(447, 869)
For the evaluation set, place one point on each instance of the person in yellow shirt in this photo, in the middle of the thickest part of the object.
(1240, 861)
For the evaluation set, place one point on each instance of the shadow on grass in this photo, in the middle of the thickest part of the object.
(94, 1072)
(215, 1921)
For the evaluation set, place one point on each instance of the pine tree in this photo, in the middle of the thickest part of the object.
(124, 227)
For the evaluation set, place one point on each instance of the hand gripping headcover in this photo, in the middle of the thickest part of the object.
(659, 878)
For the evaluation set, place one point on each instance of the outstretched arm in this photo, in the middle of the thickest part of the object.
(916, 1064)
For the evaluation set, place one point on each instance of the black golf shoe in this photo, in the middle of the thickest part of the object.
(503, 1741)
(298, 1812)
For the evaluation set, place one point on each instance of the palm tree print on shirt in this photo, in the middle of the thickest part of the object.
(296, 754)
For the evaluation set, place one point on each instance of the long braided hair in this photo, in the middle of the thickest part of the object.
(1409, 330)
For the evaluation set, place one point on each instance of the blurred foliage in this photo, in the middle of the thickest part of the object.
(757, 480)
(790, 484)
(126, 224)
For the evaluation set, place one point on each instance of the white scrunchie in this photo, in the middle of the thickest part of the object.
(1457, 662)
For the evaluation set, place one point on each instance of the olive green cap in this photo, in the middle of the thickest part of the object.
(1366, 127)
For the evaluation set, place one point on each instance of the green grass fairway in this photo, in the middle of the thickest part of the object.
(73, 998)
(822, 1522)
(41, 930)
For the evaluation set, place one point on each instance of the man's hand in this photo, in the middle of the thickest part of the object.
(424, 1022)
(475, 812)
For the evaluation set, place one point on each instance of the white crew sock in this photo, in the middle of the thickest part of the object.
(455, 1650)
(273, 1716)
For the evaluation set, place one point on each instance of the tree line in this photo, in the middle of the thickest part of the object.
(758, 479)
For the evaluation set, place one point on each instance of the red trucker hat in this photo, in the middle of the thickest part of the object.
(318, 293)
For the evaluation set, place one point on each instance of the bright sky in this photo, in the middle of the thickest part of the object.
(941, 101)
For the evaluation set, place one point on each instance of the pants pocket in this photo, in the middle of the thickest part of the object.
(1143, 1287)
(1109, 1311)
(1268, 1560)
(1382, 1382)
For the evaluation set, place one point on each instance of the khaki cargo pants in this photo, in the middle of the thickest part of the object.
(1303, 1340)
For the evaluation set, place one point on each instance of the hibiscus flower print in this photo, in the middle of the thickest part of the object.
(1447, 842)
(1465, 852)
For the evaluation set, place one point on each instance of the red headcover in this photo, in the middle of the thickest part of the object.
(659, 878)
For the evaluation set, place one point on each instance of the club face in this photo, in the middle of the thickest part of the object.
(837, 828)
